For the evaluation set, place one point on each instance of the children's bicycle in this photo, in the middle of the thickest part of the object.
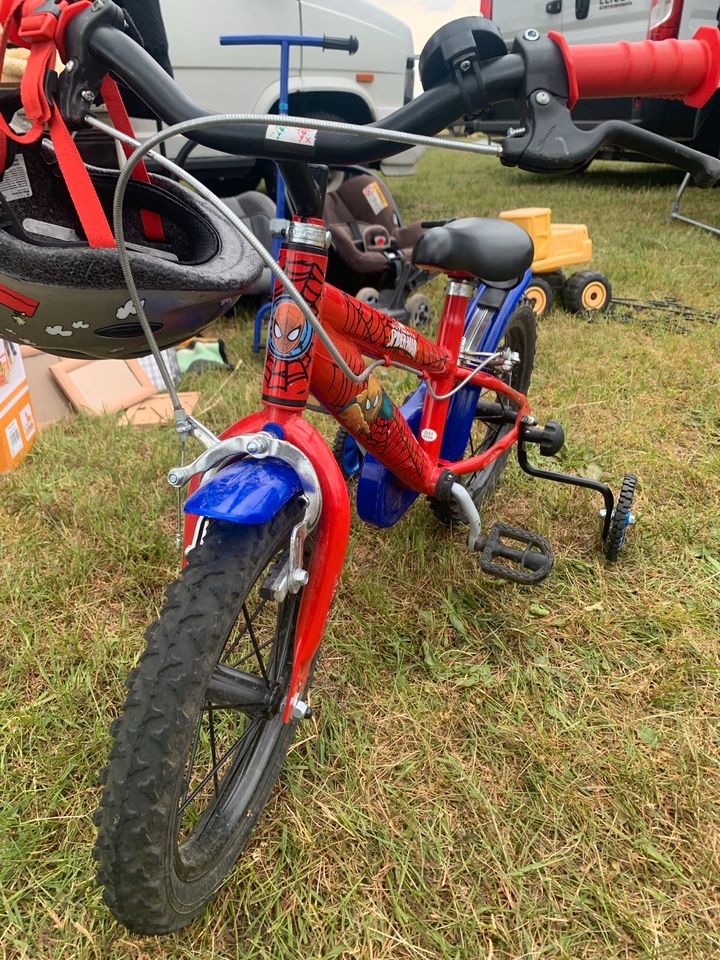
(223, 683)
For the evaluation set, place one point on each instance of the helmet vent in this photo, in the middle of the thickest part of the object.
(126, 331)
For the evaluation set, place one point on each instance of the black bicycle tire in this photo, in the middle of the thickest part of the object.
(482, 484)
(136, 845)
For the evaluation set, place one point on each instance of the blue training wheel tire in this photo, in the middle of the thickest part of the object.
(621, 519)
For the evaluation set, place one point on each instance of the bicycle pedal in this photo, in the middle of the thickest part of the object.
(512, 553)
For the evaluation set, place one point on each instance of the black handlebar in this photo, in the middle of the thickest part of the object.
(427, 114)
(534, 75)
(349, 44)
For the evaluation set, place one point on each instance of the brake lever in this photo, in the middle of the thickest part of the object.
(548, 140)
(551, 143)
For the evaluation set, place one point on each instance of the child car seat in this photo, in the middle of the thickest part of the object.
(371, 247)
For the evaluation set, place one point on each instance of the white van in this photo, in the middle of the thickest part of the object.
(360, 88)
(607, 21)
(603, 21)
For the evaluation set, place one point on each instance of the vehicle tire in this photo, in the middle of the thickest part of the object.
(621, 519)
(168, 833)
(520, 335)
(541, 295)
(369, 295)
(556, 279)
(587, 291)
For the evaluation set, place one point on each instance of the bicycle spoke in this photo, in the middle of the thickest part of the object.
(249, 656)
(191, 762)
(260, 607)
(256, 645)
(252, 728)
(213, 750)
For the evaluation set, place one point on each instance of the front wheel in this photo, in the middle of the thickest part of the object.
(201, 741)
(520, 336)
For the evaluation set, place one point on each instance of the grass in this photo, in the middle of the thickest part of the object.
(493, 772)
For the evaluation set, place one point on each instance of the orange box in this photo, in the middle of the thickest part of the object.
(18, 429)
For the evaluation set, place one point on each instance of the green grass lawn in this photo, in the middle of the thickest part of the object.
(491, 771)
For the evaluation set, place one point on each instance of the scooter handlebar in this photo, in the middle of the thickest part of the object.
(348, 44)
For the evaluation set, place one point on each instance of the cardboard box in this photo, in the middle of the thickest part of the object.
(18, 430)
(49, 402)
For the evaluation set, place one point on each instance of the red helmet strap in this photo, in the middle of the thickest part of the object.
(41, 31)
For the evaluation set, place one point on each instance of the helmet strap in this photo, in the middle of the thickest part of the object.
(26, 23)
(152, 222)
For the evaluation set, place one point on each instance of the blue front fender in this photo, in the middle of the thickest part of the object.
(246, 491)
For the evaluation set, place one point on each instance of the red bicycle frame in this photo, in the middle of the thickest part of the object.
(298, 364)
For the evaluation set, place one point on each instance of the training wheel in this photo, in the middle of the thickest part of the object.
(622, 518)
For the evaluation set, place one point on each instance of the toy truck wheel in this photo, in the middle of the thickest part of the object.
(541, 295)
(418, 308)
(556, 279)
(369, 295)
(587, 291)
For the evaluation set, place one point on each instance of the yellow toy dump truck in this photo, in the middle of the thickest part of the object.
(557, 245)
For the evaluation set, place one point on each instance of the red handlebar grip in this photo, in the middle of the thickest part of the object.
(685, 69)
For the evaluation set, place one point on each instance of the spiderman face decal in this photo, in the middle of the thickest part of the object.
(290, 333)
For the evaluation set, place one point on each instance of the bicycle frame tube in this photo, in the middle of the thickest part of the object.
(452, 325)
(464, 404)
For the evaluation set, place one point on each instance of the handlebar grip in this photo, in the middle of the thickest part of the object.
(689, 69)
(349, 44)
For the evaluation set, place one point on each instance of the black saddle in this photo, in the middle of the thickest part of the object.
(494, 251)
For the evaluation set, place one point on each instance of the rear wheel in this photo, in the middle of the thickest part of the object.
(347, 453)
(520, 337)
(201, 741)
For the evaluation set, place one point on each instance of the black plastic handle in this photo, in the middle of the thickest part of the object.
(548, 142)
(349, 44)
(704, 169)
(551, 143)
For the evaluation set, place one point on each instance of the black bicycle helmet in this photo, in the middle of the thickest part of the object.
(60, 295)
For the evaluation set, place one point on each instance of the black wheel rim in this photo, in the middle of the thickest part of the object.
(232, 747)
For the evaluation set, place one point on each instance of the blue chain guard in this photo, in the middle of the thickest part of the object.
(382, 499)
